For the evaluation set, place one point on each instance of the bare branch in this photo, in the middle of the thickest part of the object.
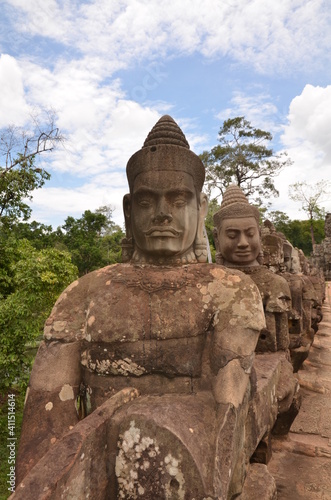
(18, 146)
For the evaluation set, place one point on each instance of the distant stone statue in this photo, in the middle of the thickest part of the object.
(237, 233)
(238, 244)
(307, 298)
(179, 331)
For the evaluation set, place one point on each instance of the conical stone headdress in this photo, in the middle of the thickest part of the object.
(166, 148)
(235, 205)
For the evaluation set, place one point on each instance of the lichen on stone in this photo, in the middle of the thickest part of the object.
(66, 393)
(143, 468)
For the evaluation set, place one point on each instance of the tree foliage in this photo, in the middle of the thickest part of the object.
(93, 240)
(36, 264)
(243, 158)
(16, 188)
(298, 232)
(310, 196)
(30, 282)
(40, 235)
(213, 207)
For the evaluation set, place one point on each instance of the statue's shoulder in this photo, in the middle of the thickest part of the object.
(218, 273)
(224, 282)
(234, 295)
(267, 279)
(68, 317)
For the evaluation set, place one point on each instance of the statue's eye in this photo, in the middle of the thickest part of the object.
(179, 198)
(144, 203)
(232, 235)
(179, 202)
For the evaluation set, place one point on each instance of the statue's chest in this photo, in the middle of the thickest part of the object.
(130, 311)
(143, 324)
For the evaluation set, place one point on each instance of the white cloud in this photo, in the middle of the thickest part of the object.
(310, 123)
(268, 36)
(45, 17)
(307, 140)
(13, 106)
(105, 126)
(62, 202)
(258, 108)
(102, 127)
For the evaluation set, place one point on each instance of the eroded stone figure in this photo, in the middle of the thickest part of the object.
(305, 312)
(238, 244)
(165, 329)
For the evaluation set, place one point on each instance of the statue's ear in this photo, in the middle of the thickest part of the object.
(127, 205)
(203, 209)
(127, 215)
(201, 242)
(203, 205)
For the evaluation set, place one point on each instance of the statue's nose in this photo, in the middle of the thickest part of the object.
(243, 241)
(162, 217)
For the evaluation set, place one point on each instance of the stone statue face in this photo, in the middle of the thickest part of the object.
(164, 212)
(239, 241)
(295, 264)
(287, 257)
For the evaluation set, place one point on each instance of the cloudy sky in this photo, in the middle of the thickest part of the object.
(111, 68)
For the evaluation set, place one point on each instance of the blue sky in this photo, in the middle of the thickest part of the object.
(110, 69)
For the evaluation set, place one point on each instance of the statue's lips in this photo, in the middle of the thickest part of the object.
(243, 254)
(163, 232)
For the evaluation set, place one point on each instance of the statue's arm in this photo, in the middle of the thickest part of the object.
(50, 407)
(236, 331)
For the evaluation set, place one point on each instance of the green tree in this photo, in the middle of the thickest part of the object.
(298, 232)
(16, 186)
(40, 235)
(93, 240)
(213, 207)
(243, 158)
(34, 280)
(310, 197)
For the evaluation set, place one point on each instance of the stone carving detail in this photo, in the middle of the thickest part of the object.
(237, 235)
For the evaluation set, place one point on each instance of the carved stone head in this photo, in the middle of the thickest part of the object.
(287, 249)
(236, 233)
(165, 210)
(296, 265)
(273, 247)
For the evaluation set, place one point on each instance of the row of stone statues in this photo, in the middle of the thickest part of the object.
(163, 377)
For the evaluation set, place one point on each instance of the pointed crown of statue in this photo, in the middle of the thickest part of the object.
(166, 148)
(235, 206)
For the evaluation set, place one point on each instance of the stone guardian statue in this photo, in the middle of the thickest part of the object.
(179, 332)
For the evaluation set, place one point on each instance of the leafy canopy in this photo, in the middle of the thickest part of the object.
(30, 282)
(243, 158)
(298, 232)
(93, 240)
(310, 196)
(16, 186)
